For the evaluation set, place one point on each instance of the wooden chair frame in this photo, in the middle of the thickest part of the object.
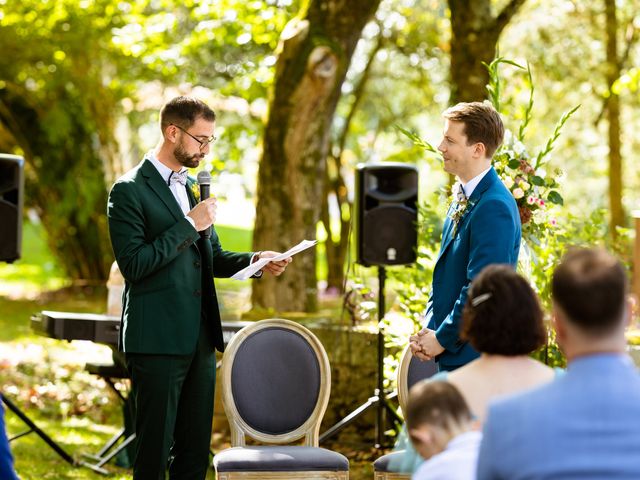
(310, 429)
(402, 384)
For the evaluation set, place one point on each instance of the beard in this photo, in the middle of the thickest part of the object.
(186, 160)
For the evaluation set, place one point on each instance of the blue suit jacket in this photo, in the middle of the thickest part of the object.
(583, 425)
(489, 232)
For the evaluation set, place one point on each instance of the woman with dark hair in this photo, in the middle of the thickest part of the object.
(503, 320)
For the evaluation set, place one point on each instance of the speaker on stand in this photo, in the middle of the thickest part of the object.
(386, 215)
(11, 201)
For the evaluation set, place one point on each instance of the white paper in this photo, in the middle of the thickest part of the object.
(249, 271)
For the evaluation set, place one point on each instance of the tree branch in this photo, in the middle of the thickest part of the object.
(507, 14)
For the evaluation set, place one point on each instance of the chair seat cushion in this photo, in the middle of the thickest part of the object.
(288, 458)
(384, 463)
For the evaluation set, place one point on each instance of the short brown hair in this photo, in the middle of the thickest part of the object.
(436, 403)
(502, 315)
(482, 124)
(590, 287)
(184, 111)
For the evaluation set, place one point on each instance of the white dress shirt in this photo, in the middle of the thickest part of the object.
(457, 461)
(179, 192)
(471, 185)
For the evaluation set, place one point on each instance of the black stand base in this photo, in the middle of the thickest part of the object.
(35, 429)
(379, 400)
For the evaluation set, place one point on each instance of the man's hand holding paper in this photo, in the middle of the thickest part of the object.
(274, 267)
(273, 262)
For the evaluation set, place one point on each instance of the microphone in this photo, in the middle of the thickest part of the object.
(204, 180)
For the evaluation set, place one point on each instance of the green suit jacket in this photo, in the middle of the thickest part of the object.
(168, 268)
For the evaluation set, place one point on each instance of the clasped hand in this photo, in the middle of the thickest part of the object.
(424, 344)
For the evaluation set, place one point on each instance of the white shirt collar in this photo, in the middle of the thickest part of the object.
(471, 185)
(165, 172)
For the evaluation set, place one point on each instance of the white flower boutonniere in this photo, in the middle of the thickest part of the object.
(461, 205)
(196, 191)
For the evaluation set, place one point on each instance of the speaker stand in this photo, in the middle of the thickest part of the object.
(34, 428)
(379, 400)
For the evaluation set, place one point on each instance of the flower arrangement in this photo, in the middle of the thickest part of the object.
(533, 189)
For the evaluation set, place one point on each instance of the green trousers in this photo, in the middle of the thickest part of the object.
(173, 396)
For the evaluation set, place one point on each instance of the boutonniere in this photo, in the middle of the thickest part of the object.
(461, 204)
(196, 191)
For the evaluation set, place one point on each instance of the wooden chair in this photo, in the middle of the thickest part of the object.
(410, 371)
(276, 384)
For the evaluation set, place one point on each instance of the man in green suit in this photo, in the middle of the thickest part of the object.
(170, 318)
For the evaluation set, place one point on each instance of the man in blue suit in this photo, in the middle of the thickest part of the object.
(482, 227)
(584, 425)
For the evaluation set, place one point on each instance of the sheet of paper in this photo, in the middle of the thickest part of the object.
(249, 271)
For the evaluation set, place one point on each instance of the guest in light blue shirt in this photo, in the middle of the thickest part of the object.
(586, 423)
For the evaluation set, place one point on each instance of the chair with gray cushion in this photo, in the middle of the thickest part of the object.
(411, 371)
(276, 384)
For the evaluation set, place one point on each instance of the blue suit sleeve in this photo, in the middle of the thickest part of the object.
(493, 230)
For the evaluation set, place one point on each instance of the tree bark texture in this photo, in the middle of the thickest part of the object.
(613, 116)
(475, 31)
(315, 52)
(64, 182)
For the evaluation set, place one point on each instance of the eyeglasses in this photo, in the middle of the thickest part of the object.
(203, 143)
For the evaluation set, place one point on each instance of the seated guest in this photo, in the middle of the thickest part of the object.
(6, 460)
(441, 428)
(502, 319)
(584, 425)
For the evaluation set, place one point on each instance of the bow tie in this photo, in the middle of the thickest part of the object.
(178, 177)
(458, 193)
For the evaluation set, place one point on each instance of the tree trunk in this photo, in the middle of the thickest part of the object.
(64, 183)
(613, 116)
(335, 186)
(316, 50)
(474, 37)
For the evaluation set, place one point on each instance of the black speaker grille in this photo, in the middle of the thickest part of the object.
(389, 235)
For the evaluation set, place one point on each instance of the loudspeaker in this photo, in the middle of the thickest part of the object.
(11, 200)
(386, 213)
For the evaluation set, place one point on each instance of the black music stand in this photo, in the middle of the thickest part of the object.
(35, 429)
(379, 399)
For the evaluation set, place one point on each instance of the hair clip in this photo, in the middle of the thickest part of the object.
(480, 298)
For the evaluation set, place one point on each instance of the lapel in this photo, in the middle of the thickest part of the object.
(160, 188)
(190, 195)
(489, 179)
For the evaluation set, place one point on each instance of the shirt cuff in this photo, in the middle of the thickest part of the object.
(254, 258)
(191, 221)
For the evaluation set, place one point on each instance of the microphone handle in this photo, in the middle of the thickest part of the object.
(205, 193)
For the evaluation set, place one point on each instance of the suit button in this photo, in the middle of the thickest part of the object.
(196, 264)
(198, 293)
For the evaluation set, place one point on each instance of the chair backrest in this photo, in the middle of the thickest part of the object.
(276, 383)
(411, 371)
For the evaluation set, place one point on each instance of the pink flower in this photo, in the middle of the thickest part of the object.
(518, 193)
(540, 202)
(553, 222)
(531, 199)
